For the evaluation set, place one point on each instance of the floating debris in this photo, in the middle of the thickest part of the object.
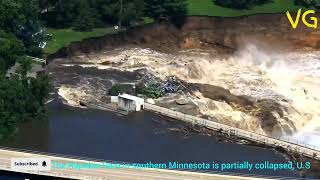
(171, 85)
(182, 101)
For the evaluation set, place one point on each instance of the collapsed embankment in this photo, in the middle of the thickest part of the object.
(217, 33)
(242, 89)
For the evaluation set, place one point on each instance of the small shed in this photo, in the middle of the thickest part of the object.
(130, 103)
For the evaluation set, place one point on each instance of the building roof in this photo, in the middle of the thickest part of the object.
(130, 97)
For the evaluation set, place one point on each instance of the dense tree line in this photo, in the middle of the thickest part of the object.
(21, 98)
(11, 50)
(240, 4)
(20, 18)
(309, 3)
(173, 10)
(248, 4)
(85, 14)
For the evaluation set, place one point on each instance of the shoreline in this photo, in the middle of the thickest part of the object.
(224, 137)
(219, 133)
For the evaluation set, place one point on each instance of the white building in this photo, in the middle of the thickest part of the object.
(130, 103)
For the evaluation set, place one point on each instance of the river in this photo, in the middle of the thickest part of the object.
(138, 137)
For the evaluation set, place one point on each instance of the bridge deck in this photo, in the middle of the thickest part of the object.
(6, 155)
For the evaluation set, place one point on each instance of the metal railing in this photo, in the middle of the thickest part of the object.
(38, 60)
(306, 149)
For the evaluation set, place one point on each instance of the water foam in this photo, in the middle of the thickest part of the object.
(290, 78)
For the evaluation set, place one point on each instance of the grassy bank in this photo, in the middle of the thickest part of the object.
(63, 37)
(208, 8)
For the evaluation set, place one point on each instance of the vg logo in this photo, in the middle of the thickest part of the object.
(304, 15)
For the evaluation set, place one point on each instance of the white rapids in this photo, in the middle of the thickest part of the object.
(292, 79)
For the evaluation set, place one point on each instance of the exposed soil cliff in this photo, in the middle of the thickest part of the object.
(205, 32)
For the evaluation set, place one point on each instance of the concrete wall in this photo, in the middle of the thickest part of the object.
(131, 105)
(285, 143)
(128, 105)
(139, 105)
(114, 99)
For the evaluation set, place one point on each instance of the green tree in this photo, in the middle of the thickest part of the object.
(46, 5)
(8, 119)
(308, 3)
(41, 87)
(21, 98)
(123, 12)
(173, 10)
(10, 17)
(21, 18)
(240, 4)
(11, 49)
(85, 17)
(115, 90)
(62, 14)
(84, 14)
(25, 66)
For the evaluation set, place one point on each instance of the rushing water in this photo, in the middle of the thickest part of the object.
(139, 137)
(291, 80)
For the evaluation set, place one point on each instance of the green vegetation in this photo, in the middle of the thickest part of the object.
(172, 10)
(243, 4)
(147, 20)
(208, 8)
(20, 18)
(309, 3)
(71, 25)
(11, 50)
(150, 91)
(123, 12)
(22, 98)
(63, 37)
(86, 17)
(115, 90)
(86, 14)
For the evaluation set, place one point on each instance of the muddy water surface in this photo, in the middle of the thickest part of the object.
(139, 137)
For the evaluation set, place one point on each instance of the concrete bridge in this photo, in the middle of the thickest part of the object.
(6, 154)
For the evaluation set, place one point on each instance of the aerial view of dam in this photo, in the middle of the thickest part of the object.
(172, 89)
